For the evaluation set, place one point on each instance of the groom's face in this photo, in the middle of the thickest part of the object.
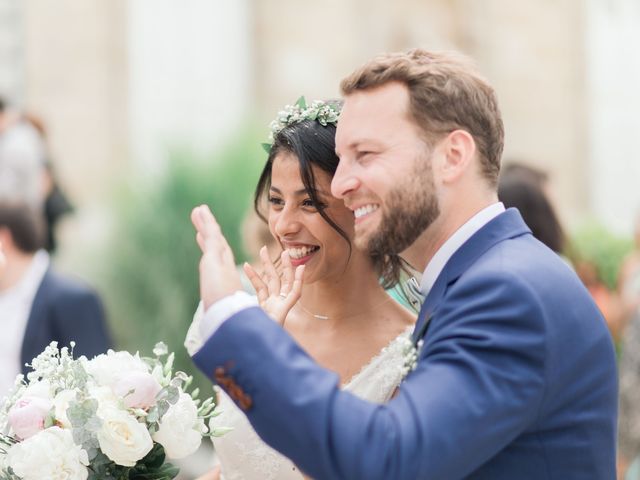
(385, 175)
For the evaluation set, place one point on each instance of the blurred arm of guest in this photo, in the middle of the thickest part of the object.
(37, 304)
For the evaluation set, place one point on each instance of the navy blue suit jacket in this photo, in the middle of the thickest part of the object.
(516, 378)
(64, 310)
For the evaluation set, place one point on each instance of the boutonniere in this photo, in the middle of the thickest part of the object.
(410, 351)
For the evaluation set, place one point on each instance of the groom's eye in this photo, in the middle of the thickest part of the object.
(364, 155)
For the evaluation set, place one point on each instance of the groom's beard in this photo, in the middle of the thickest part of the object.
(409, 210)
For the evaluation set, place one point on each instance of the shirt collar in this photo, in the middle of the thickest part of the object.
(30, 282)
(455, 241)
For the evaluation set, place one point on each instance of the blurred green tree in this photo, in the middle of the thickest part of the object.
(150, 270)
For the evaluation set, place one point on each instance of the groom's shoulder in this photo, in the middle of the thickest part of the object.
(524, 257)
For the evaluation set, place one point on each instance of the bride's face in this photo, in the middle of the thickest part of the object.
(295, 222)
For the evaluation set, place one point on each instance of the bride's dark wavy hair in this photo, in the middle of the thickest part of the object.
(314, 144)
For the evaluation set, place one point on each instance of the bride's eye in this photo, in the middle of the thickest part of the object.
(309, 203)
(275, 201)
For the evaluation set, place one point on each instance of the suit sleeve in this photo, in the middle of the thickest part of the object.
(80, 317)
(478, 384)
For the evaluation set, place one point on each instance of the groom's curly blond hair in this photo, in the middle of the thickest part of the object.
(446, 93)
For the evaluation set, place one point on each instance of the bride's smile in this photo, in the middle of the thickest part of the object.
(295, 220)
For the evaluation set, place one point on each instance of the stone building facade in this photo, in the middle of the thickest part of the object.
(117, 81)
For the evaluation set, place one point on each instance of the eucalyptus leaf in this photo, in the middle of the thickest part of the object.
(301, 102)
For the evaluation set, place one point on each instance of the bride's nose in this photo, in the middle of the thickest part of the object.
(287, 222)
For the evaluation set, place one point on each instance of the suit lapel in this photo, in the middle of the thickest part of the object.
(35, 321)
(428, 307)
(506, 225)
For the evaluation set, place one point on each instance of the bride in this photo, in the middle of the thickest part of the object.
(344, 318)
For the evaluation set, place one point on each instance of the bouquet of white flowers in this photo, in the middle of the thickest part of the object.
(115, 417)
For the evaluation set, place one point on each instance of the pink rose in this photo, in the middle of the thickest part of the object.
(143, 388)
(27, 416)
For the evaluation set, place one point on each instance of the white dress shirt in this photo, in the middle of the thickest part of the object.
(228, 306)
(15, 307)
(454, 242)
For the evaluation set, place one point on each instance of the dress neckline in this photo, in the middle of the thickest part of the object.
(372, 360)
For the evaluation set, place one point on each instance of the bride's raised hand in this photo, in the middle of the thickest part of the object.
(276, 293)
(218, 275)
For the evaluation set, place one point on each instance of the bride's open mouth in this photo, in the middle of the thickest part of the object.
(302, 254)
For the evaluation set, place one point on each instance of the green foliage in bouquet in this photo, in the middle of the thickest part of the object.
(594, 243)
(150, 271)
(151, 467)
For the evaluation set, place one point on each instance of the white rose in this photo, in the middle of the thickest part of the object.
(121, 437)
(49, 454)
(61, 404)
(180, 431)
(107, 369)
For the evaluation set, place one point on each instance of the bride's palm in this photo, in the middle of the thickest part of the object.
(277, 293)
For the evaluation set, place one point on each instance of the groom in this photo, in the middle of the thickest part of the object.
(515, 377)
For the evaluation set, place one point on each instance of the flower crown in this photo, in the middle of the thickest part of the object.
(322, 112)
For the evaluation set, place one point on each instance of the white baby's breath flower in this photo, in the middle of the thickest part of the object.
(181, 430)
(410, 354)
(50, 454)
(122, 438)
(160, 349)
(324, 113)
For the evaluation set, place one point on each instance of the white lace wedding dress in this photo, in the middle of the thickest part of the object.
(244, 456)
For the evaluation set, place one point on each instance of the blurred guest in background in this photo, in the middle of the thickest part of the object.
(21, 159)
(26, 168)
(37, 304)
(3, 260)
(629, 424)
(56, 204)
(629, 414)
(629, 277)
(607, 300)
(526, 189)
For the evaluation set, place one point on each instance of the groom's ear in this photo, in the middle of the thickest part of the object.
(459, 150)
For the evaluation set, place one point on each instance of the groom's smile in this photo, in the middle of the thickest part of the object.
(364, 212)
